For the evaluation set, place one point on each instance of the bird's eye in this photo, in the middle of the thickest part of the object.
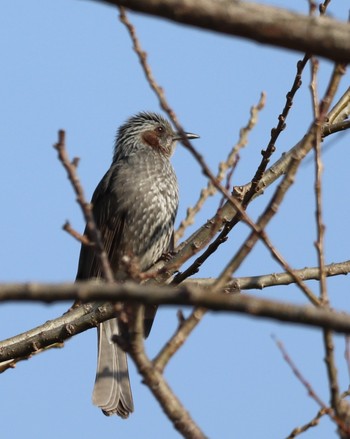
(160, 130)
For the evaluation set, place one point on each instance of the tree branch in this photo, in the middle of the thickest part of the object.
(320, 36)
(155, 381)
(90, 290)
(88, 315)
(273, 279)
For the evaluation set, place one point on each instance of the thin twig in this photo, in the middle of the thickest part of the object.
(309, 388)
(327, 335)
(275, 132)
(314, 421)
(94, 233)
(83, 239)
(249, 243)
(281, 125)
(313, 86)
(224, 166)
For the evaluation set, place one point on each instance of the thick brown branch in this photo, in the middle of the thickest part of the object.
(321, 36)
(89, 316)
(55, 331)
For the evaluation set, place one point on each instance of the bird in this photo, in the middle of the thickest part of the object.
(134, 207)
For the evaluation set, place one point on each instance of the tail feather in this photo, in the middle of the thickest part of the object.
(112, 391)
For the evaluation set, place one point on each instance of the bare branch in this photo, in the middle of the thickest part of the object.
(335, 128)
(262, 23)
(313, 423)
(70, 167)
(89, 315)
(341, 109)
(90, 290)
(271, 280)
(55, 331)
(210, 189)
(83, 239)
(309, 388)
(155, 381)
(252, 239)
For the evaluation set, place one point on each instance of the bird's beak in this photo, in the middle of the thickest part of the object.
(189, 136)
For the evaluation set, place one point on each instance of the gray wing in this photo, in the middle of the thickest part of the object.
(112, 391)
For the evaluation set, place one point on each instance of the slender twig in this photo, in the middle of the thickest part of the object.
(171, 405)
(331, 370)
(347, 353)
(83, 239)
(94, 233)
(309, 388)
(275, 132)
(249, 243)
(179, 337)
(313, 86)
(327, 335)
(314, 421)
(224, 166)
(281, 125)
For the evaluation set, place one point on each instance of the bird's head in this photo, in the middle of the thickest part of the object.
(148, 130)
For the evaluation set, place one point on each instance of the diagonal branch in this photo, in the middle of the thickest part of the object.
(70, 167)
(224, 166)
(155, 381)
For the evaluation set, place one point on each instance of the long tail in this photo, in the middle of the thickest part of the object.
(112, 391)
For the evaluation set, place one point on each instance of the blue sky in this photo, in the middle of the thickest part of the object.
(69, 65)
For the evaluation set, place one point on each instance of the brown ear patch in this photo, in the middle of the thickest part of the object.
(151, 138)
